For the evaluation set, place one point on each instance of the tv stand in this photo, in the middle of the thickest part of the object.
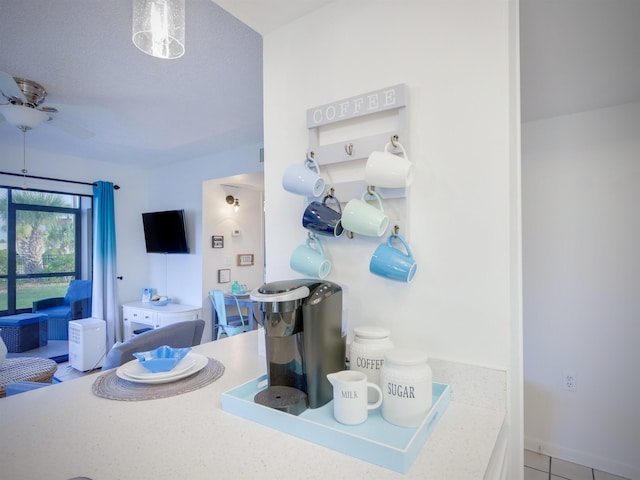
(141, 315)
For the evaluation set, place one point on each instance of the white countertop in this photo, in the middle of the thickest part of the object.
(64, 430)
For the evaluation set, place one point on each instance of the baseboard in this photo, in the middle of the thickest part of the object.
(576, 456)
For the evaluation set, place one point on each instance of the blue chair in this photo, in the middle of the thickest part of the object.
(229, 325)
(176, 335)
(74, 305)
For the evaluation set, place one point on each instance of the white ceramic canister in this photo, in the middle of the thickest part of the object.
(406, 382)
(367, 350)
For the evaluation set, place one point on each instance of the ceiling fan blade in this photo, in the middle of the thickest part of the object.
(70, 128)
(9, 88)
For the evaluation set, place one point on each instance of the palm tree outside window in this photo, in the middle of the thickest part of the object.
(45, 242)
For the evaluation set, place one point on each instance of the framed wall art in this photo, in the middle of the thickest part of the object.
(217, 241)
(224, 275)
(245, 259)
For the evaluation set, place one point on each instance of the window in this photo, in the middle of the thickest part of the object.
(45, 241)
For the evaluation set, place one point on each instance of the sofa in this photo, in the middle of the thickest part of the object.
(74, 305)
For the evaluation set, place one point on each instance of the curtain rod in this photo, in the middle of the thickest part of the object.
(115, 187)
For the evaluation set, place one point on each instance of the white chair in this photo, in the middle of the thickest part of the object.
(229, 325)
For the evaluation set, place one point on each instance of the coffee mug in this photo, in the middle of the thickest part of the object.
(384, 169)
(351, 396)
(310, 260)
(361, 217)
(390, 262)
(322, 219)
(304, 179)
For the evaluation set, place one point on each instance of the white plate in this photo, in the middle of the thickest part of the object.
(135, 369)
(200, 362)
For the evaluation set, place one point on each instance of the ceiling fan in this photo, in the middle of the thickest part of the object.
(23, 108)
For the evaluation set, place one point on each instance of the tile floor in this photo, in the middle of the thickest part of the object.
(543, 467)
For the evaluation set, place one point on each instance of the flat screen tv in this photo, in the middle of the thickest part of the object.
(165, 232)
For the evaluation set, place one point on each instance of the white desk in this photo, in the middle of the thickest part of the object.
(139, 315)
(63, 430)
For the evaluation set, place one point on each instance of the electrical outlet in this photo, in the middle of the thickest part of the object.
(569, 381)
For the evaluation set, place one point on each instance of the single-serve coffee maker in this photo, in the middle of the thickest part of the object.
(304, 342)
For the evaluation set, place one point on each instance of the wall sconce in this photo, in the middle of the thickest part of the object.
(231, 200)
(158, 27)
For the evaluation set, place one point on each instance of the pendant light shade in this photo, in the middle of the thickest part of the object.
(158, 27)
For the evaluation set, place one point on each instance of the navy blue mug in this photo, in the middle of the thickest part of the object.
(321, 219)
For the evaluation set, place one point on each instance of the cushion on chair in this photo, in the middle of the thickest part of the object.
(78, 289)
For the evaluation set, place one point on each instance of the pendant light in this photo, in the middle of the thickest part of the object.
(158, 27)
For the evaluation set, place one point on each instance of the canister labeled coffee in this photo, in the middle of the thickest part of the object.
(406, 382)
(367, 350)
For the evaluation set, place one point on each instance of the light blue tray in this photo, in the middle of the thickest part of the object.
(375, 441)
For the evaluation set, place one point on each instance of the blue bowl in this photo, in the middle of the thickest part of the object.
(160, 303)
(162, 359)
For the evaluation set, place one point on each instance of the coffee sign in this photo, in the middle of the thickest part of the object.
(365, 104)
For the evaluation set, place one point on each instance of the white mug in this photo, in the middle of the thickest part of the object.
(384, 169)
(304, 179)
(351, 396)
(360, 217)
(309, 259)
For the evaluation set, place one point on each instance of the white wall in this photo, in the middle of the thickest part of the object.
(454, 56)
(180, 186)
(220, 218)
(582, 282)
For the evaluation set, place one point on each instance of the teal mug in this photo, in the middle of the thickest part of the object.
(310, 260)
(392, 263)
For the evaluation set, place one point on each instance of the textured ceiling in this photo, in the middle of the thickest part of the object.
(142, 110)
(575, 55)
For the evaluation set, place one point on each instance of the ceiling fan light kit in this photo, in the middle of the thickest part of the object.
(24, 118)
(158, 27)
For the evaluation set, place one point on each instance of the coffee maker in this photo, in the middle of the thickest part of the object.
(304, 342)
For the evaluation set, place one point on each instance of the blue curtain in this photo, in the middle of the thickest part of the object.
(105, 299)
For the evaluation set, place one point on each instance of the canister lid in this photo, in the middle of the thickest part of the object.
(405, 356)
(371, 332)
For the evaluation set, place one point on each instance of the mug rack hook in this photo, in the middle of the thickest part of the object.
(395, 141)
(349, 148)
(371, 189)
(396, 229)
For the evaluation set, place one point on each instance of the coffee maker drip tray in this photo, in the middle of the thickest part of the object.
(286, 399)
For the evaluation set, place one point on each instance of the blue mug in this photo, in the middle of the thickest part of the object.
(321, 219)
(392, 263)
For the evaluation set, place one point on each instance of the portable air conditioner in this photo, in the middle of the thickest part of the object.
(87, 343)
